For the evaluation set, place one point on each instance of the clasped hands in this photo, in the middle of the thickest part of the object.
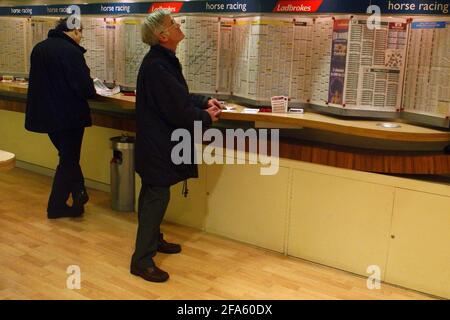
(214, 109)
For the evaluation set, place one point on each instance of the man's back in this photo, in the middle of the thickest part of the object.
(59, 86)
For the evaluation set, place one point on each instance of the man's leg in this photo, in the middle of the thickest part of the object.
(78, 190)
(60, 191)
(68, 176)
(152, 206)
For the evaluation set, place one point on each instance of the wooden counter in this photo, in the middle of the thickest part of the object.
(363, 128)
(17, 87)
(117, 112)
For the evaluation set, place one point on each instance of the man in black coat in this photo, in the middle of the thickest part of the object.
(59, 87)
(163, 104)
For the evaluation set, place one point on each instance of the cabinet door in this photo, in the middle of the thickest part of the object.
(340, 222)
(419, 256)
(247, 206)
(191, 210)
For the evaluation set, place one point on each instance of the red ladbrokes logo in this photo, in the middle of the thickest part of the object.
(297, 5)
(173, 7)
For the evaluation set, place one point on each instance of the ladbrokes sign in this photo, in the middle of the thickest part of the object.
(297, 5)
(173, 7)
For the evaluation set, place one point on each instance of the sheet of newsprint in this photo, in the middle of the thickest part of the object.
(14, 44)
(39, 28)
(321, 60)
(181, 49)
(225, 56)
(262, 51)
(110, 38)
(300, 87)
(274, 49)
(242, 53)
(199, 52)
(94, 37)
(129, 50)
(427, 81)
(375, 64)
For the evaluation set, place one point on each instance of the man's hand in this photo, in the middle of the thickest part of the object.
(214, 113)
(216, 103)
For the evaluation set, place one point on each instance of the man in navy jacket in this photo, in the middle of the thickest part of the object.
(163, 104)
(59, 87)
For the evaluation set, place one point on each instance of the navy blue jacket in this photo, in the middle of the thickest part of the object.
(163, 104)
(59, 86)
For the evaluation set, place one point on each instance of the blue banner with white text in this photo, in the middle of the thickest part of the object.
(423, 7)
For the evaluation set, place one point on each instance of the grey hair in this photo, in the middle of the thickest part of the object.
(153, 26)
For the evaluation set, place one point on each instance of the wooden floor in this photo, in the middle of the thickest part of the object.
(35, 254)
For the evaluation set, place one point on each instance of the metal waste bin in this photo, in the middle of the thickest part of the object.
(122, 173)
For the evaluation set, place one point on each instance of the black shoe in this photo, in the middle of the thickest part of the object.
(153, 274)
(166, 247)
(80, 198)
(65, 212)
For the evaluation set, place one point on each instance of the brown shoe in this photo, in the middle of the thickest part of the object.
(153, 274)
(166, 247)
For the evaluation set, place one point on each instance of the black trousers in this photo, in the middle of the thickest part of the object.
(152, 206)
(69, 177)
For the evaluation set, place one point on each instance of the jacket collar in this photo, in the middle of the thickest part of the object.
(164, 51)
(53, 33)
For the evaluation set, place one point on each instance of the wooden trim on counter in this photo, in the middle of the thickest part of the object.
(98, 119)
(107, 121)
(364, 160)
(11, 105)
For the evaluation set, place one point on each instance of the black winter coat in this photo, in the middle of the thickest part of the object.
(59, 86)
(163, 104)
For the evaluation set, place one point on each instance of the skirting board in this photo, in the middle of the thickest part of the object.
(51, 172)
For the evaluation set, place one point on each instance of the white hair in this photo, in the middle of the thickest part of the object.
(153, 26)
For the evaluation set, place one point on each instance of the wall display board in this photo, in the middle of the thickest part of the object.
(427, 82)
(317, 52)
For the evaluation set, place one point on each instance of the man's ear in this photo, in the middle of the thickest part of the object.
(163, 38)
